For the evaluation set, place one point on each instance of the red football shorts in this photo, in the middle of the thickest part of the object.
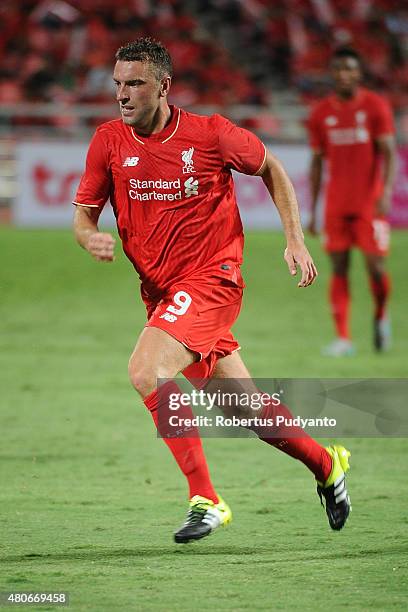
(199, 312)
(344, 232)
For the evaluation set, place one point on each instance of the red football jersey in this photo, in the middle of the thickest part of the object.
(345, 132)
(172, 193)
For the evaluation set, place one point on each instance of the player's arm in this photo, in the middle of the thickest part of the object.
(91, 196)
(283, 194)
(315, 180)
(99, 244)
(387, 148)
(317, 144)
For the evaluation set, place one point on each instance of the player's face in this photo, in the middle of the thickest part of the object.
(138, 92)
(346, 73)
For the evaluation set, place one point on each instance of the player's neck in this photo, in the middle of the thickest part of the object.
(346, 95)
(156, 123)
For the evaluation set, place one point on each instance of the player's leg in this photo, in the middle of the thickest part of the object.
(372, 236)
(328, 465)
(380, 286)
(339, 298)
(158, 355)
(198, 312)
(293, 441)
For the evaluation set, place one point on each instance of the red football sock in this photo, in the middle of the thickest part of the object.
(339, 301)
(187, 451)
(380, 288)
(294, 441)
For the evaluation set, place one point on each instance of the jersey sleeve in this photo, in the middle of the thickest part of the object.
(95, 183)
(316, 131)
(383, 120)
(239, 149)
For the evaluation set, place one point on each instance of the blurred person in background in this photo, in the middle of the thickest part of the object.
(352, 130)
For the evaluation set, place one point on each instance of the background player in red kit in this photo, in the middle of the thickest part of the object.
(168, 176)
(352, 130)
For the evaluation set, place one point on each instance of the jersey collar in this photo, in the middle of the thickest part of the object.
(165, 135)
(354, 101)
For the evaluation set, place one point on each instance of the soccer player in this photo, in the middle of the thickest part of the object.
(352, 130)
(167, 173)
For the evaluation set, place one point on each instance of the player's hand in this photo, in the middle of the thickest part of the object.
(312, 226)
(298, 255)
(383, 205)
(101, 246)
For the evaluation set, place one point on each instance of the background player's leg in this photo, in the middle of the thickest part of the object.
(339, 298)
(159, 355)
(339, 292)
(380, 285)
(293, 441)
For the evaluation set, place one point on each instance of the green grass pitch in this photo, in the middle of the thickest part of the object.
(89, 496)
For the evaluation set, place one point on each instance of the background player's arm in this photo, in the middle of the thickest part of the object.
(315, 178)
(283, 194)
(99, 244)
(386, 146)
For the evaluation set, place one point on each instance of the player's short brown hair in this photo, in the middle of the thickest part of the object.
(147, 50)
(342, 52)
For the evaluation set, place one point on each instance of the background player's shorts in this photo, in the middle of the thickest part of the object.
(199, 312)
(343, 233)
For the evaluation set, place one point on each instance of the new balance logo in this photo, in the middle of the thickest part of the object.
(168, 317)
(131, 161)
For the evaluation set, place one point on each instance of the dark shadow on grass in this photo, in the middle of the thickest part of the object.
(104, 554)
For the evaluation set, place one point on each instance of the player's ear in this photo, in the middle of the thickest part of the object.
(165, 86)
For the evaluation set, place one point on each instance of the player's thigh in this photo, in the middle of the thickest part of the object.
(157, 355)
(375, 264)
(338, 234)
(373, 238)
(231, 366)
(231, 379)
(340, 262)
(200, 372)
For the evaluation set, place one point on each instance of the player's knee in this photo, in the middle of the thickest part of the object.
(143, 378)
(376, 275)
(340, 269)
(340, 263)
(376, 269)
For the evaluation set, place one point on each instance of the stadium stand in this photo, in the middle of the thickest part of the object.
(227, 52)
(261, 63)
